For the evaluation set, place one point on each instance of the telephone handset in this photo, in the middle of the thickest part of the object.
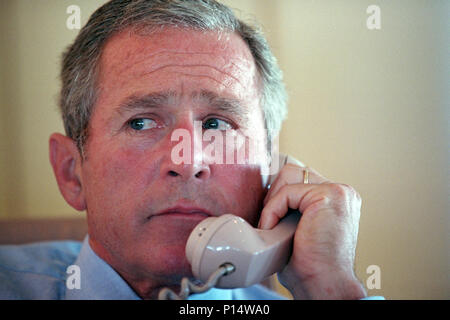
(255, 254)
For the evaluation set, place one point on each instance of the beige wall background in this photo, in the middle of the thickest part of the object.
(368, 108)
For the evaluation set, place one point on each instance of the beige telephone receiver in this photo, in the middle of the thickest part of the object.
(255, 254)
(227, 252)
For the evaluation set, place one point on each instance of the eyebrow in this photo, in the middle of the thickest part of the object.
(229, 105)
(160, 99)
(147, 101)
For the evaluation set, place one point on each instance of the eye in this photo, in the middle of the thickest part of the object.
(140, 124)
(216, 124)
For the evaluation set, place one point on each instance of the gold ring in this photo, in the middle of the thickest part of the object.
(305, 176)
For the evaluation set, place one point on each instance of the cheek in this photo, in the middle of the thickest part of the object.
(243, 186)
(238, 148)
(115, 182)
(125, 168)
(115, 185)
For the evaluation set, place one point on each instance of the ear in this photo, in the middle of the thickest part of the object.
(66, 163)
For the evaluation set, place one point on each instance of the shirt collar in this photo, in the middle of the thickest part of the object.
(99, 281)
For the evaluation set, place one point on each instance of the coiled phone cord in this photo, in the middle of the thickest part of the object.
(187, 287)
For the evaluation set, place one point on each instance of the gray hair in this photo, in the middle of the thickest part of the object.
(80, 63)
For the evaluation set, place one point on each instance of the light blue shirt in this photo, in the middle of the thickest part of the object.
(39, 271)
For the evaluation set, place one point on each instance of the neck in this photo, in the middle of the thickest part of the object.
(149, 289)
(144, 284)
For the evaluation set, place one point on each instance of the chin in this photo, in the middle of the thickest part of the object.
(172, 263)
(157, 249)
(166, 256)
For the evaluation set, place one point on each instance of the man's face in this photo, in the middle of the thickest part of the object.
(141, 205)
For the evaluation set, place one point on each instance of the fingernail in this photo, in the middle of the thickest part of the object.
(260, 224)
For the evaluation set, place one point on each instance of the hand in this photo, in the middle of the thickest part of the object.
(321, 265)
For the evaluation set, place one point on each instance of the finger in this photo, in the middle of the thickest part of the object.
(287, 175)
(288, 197)
(293, 174)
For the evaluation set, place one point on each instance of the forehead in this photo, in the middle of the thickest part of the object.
(222, 57)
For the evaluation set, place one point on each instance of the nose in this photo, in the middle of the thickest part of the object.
(188, 142)
(197, 172)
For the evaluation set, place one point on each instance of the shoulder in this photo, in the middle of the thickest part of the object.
(37, 270)
(256, 292)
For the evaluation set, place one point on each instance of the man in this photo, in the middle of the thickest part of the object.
(138, 72)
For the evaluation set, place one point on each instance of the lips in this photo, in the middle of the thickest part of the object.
(185, 211)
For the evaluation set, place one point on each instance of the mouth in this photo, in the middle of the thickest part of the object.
(185, 212)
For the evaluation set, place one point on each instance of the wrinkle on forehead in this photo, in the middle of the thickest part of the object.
(177, 58)
(128, 52)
